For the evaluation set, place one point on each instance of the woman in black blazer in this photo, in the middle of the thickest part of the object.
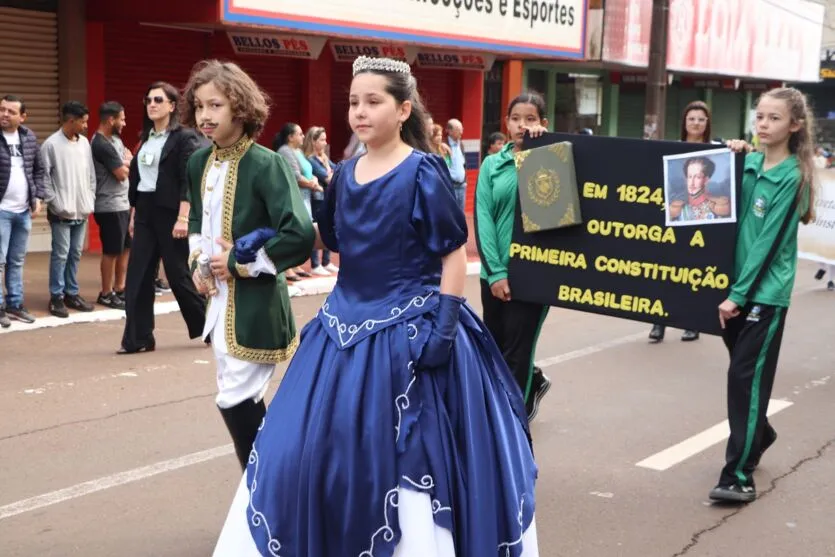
(159, 221)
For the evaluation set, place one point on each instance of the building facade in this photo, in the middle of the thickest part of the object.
(470, 59)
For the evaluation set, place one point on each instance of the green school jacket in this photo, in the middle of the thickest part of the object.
(766, 198)
(496, 195)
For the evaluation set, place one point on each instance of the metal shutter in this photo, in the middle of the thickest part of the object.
(137, 55)
(728, 115)
(631, 113)
(339, 133)
(29, 69)
(439, 90)
(279, 77)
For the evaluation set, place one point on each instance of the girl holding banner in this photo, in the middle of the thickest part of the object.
(515, 325)
(777, 194)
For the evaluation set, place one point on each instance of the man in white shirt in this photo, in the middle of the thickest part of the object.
(21, 192)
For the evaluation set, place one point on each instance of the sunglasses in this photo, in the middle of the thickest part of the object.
(155, 100)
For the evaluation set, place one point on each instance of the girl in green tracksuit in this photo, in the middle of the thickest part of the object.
(515, 325)
(777, 194)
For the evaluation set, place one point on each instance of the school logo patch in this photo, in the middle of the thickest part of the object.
(759, 207)
(754, 314)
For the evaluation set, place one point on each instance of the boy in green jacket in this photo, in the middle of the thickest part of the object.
(247, 215)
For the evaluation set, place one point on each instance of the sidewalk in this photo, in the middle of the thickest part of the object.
(36, 283)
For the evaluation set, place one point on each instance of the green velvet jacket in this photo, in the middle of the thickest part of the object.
(260, 191)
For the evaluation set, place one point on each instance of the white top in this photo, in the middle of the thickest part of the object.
(206, 242)
(16, 199)
(148, 159)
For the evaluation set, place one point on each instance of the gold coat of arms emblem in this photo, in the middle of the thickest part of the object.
(544, 187)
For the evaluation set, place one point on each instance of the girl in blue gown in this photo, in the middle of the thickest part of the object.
(398, 430)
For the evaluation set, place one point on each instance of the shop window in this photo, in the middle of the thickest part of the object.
(538, 81)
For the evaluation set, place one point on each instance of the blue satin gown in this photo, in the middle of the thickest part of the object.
(355, 420)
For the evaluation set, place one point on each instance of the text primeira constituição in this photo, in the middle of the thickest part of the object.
(552, 12)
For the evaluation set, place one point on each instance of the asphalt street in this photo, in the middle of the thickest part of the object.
(104, 455)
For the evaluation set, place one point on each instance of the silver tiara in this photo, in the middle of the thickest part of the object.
(366, 64)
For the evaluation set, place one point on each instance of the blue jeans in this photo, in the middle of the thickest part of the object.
(460, 195)
(14, 237)
(316, 205)
(67, 243)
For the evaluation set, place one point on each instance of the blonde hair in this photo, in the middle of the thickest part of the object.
(436, 129)
(801, 144)
(312, 136)
(249, 103)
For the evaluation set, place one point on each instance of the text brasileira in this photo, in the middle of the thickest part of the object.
(693, 277)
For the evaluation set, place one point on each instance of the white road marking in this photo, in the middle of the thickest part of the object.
(144, 472)
(589, 350)
(115, 480)
(694, 445)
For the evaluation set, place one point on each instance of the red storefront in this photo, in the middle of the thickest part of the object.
(130, 45)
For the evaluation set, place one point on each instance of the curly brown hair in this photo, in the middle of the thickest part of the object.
(250, 104)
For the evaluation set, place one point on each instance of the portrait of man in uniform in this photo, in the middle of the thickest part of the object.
(699, 188)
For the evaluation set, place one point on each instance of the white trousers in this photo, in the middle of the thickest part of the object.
(421, 537)
(237, 380)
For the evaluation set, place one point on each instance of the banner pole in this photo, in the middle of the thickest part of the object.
(657, 71)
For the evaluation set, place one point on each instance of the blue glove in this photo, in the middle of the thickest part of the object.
(247, 246)
(438, 348)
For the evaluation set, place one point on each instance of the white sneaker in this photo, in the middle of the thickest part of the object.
(293, 291)
(320, 272)
(332, 268)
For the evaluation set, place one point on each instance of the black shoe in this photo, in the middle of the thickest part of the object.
(161, 287)
(4, 319)
(733, 493)
(111, 301)
(21, 314)
(243, 422)
(820, 274)
(76, 302)
(149, 346)
(689, 336)
(769, 437)
(120, 295)
(57, 307)
(657, 333)
(539, 388)
(830, 286)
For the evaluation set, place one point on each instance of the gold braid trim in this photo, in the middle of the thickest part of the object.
(242, 270)
(234, 154)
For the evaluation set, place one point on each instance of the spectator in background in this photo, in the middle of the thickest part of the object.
(430, 130)
(70, 186)
(495, 142)
(315, 149)
(436, 141)
(21, 193)
(158, 194)
(457, 166)
(112, 209)
(288, 143)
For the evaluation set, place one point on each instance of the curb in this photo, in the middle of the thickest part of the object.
(308, 287)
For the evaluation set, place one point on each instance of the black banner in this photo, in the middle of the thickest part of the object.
(623, 260)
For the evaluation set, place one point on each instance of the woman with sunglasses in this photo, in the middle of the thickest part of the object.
(159, 221)
(695, 128)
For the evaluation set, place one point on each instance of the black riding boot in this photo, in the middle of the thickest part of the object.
(243, 422)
